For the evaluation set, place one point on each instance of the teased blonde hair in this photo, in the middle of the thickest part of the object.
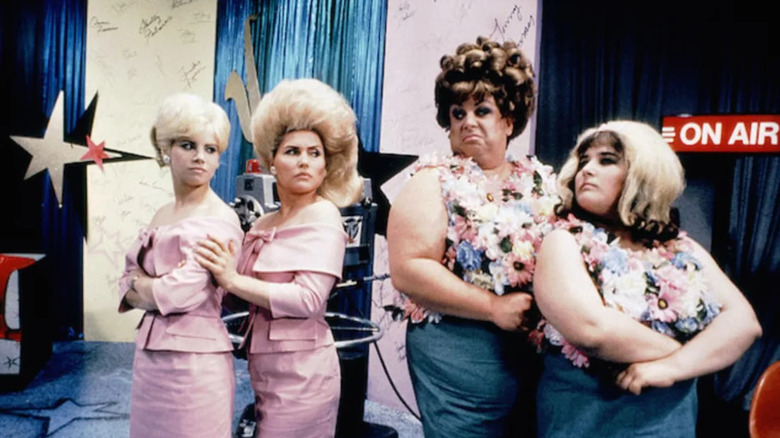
(311, 105)
(184, 115)
(654, 180)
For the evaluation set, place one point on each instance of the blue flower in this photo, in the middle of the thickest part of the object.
(707, 311)
(662, 327)
(616, 261)
(687, 325)
(468, 257)
(682, 259)
(522, 207)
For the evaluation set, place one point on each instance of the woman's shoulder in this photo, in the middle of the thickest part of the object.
(442, 164)
(559, 238)
(319, 216)
(321, 212)
(193, 228)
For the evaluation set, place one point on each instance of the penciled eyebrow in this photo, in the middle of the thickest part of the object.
(605, 154)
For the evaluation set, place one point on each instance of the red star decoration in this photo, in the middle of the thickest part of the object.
(95, 152)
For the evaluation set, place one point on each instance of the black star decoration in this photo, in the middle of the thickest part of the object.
(67, 411)
(380, 168)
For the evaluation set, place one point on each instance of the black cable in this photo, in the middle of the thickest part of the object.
(392, 384)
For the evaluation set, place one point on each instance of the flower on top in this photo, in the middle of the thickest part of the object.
(468, 256)
(661, 286)
(495, 235)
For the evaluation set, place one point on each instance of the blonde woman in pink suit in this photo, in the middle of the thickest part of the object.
(304, 133)
(183, 376)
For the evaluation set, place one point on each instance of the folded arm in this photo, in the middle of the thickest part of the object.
(569, 300)
(719, 345)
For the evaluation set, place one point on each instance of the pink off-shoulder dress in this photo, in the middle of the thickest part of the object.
(293, 363)
(183, 376)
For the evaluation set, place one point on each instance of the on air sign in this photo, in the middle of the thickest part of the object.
(728, 133)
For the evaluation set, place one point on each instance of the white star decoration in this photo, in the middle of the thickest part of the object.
(67, 411)
(51, 152)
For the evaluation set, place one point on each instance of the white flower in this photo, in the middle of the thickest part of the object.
(499, 277)
(523, 249)
(630, 293)
(486, 212)
(553, 336)
(544, 206)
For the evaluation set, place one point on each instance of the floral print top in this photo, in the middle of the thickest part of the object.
(492, 238)
(661, 286)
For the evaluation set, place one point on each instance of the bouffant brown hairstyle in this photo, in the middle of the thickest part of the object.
(487, 68)
(654, 179)
(312, 105)
(183, 115)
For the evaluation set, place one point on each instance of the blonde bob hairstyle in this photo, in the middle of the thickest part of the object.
(311, 105)
(487, 68)
(654, 179)
(185, 115)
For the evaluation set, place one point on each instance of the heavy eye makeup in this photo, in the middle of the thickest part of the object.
(314, 151)
(457, 113)
(185, 144)
(604, 159)
(189, 145)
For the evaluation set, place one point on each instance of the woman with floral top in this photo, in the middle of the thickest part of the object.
(627, 332)
(462, 237)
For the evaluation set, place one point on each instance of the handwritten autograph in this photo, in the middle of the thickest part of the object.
(101, 26)
(514, 16)
(190, 75)
(150, 27)
(177, 3)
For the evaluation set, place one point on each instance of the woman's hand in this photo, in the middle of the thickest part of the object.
(139, 295)
(219, 258)
(641, 375)
(136, 301)
(508, 311)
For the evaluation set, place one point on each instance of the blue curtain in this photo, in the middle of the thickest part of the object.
(340, 42)
(43, 53)
(229, 57)
(609, 59)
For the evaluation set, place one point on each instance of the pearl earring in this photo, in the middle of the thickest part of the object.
(166, 159)
(273, 170)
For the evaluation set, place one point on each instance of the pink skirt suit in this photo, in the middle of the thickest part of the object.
(293, 363)
(183, 376)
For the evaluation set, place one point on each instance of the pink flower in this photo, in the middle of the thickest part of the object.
(660, 308)
(464, 229)
(519, 271)
(536, 338)
(668, 304)
(574, 355)
(449, 257)
(415, 312)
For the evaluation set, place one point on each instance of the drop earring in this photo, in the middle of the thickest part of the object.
(166, 159)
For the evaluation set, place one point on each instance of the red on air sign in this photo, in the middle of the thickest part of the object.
(731, 133)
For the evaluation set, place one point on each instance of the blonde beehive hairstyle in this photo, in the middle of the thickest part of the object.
(311, 105)
(655, 177)
(183, 115)
(487, 68)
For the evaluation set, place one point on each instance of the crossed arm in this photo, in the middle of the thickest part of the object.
(572, 305)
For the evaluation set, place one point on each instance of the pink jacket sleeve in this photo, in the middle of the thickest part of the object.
(313, 254)
(131, 264)
(182, 284)
(184, 287)
(303, 297)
